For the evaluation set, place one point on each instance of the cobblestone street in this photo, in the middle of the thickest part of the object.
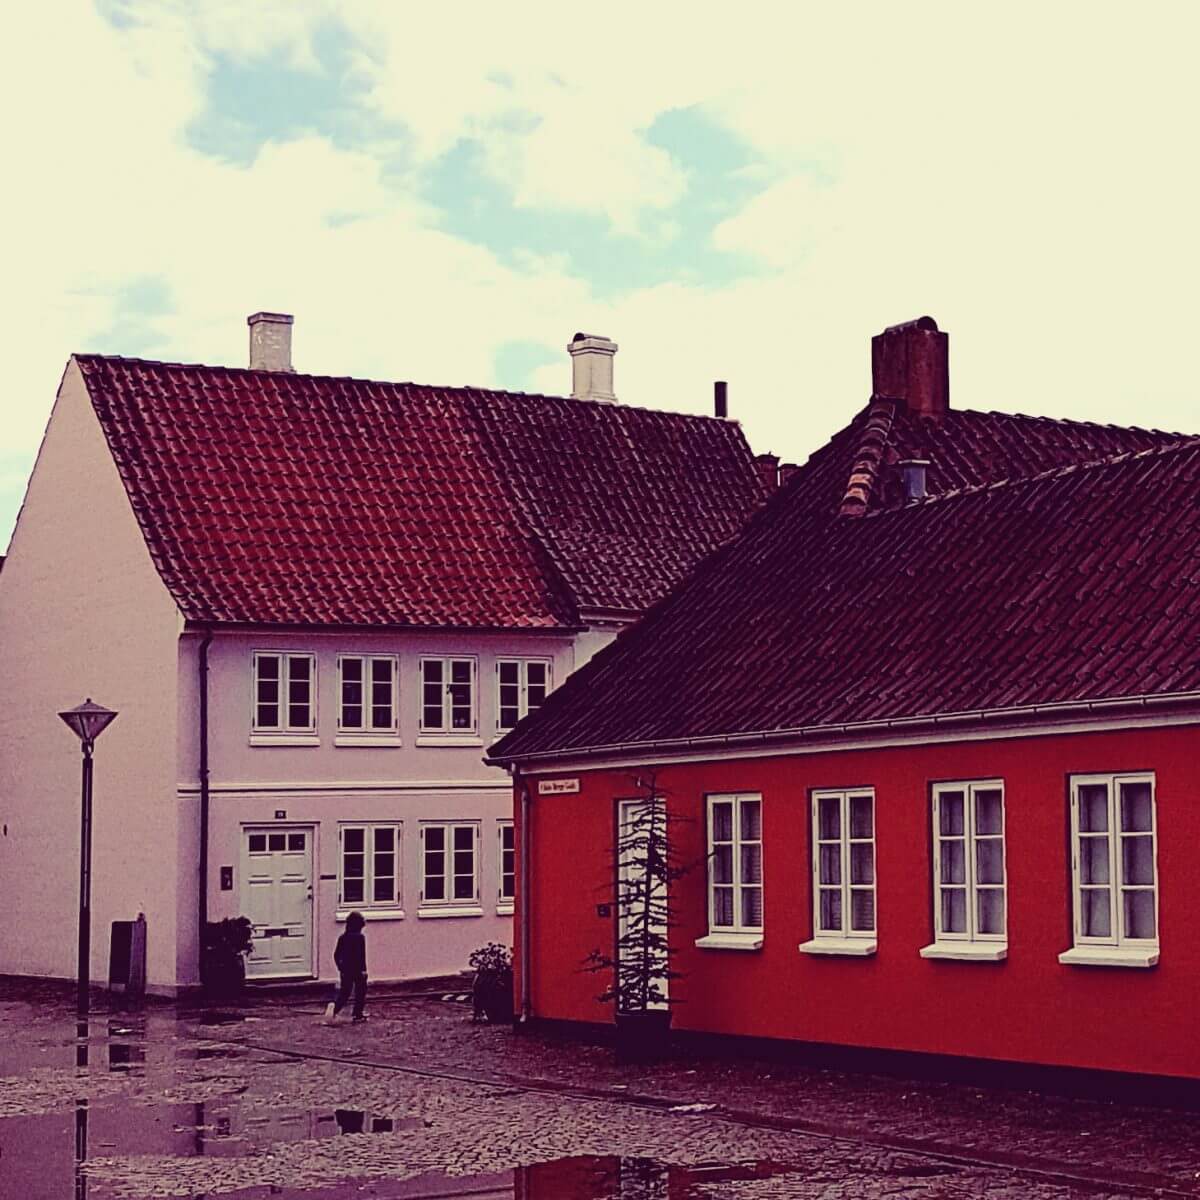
(421, 1102)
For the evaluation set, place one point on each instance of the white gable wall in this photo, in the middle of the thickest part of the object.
(83, 612)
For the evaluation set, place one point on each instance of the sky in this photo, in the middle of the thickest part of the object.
(447, 193)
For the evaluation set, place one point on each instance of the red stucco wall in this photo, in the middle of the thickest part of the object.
(1029, 1008)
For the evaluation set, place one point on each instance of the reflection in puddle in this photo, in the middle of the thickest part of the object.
(612, 1178)
(40, 1154)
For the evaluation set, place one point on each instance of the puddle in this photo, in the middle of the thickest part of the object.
(39, 1155)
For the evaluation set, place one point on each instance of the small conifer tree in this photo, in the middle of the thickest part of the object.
(645, 865)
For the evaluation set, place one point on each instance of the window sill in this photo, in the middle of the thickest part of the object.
(452, 910)
(730, 941)
(447, 739)
(370, 914)
(367, 739)
(854, 947)
(285, 739)
(504, 910)
(967, 951)
(1110, 956)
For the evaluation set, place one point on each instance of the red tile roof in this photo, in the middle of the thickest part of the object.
(279, 498)
(1079, 583)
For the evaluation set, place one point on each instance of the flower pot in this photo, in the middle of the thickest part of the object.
(492, 996)
(224, 978)
(643, 1037)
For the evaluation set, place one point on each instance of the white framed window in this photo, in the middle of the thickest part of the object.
(450, 869)
(369, 866)
(843, 872)
(969, 896)
(735, 881)
(448, 699)
(522, 685)
(367, 698)
(1114, 871)
(284, 701)
(508, 867)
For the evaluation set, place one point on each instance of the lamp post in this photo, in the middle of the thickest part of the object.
(87, 722)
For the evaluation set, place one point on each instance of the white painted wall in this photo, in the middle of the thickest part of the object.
(84, 613)
(322, 786)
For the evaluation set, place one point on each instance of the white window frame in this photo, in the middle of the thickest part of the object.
(371, 908)
(450, 905)
(368, 734)
(505, 902)
(522, 665)
(859, 942)
(283, 733)
(1118, 949)
(445, 734)
(969, 944)
(738, 936)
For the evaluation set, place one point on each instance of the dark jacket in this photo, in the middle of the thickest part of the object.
(350, 954)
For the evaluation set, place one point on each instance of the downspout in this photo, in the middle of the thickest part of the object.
(526, 876)
(202, 907)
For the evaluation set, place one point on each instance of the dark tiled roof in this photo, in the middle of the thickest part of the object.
(297, 499)
(1080, 583)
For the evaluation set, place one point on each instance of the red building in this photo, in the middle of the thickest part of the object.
(931, 725)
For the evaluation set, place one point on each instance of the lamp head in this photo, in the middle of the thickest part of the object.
(88, 721)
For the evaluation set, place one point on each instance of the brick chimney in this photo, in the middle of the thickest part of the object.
(270, 341)
(910, 364)
(767, 466)
(592, 367)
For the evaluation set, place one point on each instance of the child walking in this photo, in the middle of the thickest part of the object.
(350, 955)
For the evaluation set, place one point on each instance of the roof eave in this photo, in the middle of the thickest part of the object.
(998, 718)
(202, 624)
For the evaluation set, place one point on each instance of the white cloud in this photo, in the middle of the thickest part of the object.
(1024, 174)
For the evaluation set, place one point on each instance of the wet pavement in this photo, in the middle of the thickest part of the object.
(421, 1103)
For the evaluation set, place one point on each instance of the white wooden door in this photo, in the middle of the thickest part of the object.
(277, 897)
(634, 818)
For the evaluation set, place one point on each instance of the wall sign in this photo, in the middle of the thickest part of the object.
(281, 814)
(557, 787)
(227, 879)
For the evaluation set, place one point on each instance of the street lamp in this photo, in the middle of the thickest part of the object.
(87, 722)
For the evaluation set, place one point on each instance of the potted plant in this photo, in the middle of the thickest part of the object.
(492, 989)
(223, 958)
(645, 866)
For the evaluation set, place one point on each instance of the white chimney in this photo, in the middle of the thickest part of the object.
(592, 367)
(270, 341)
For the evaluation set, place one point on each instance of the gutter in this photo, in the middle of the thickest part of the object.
(202, 907)
(339, 628)
(526, 878)
(999, 716)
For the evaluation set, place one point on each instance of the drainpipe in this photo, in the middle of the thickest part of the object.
(526, 876)
(202, 909)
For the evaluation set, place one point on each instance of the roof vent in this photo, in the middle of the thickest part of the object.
(912, 475)
(270, 341)
(721, 399)
(910, 364)
(592, 367)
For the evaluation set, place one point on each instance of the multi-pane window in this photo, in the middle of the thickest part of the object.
(448, 695)
(844, 864)
(521, 687)
(367, 693)
(284, 693)
(735, 901)
(1113, 860)
(369, 873)
(508, 863)
(450, 863)
(968, 861)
